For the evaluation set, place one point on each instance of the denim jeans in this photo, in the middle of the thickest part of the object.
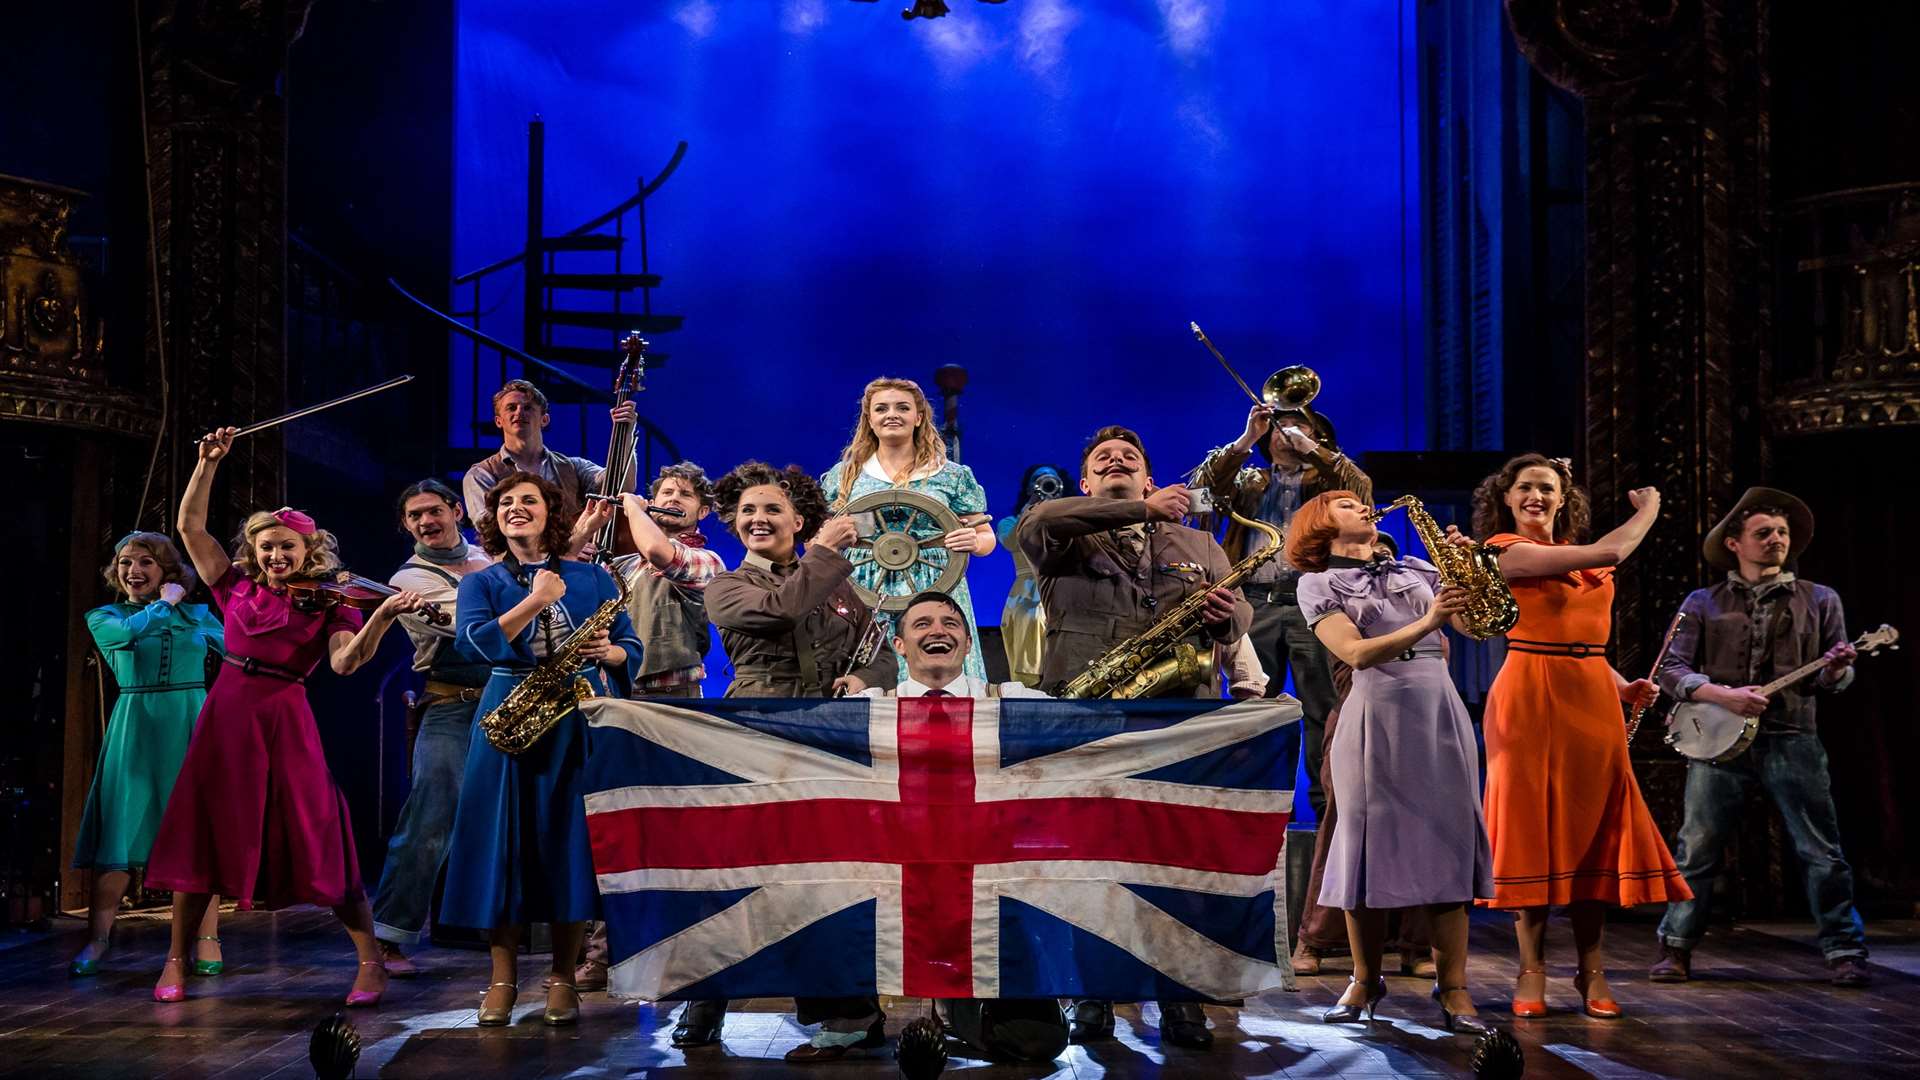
(419, 844)
(1792, 768)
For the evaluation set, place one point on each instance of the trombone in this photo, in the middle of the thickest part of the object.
(1289, 390)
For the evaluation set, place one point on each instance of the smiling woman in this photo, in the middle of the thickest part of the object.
(256, 815)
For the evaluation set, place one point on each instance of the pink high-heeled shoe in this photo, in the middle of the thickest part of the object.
(364, 998)
(176, 992)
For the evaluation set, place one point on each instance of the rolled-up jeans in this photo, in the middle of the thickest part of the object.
(419, 844)
(1792, 769)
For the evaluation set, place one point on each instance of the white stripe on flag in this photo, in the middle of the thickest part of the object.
(1133, 752)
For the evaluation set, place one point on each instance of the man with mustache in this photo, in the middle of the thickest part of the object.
(430, 513)
(1110, 563)
(520, 412)
(1760, 623)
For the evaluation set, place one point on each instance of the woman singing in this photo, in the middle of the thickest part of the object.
(255, 800)
(1404, 759)
(519, 850)
(791, 627)
(1564, 813)
(895, 445)
(157, 650)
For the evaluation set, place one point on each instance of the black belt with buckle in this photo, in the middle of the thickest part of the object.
(260, 667)
(1578, 650)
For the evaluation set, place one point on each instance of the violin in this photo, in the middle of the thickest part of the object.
(351, 590)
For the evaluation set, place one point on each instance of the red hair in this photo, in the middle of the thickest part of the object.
(1311, 533)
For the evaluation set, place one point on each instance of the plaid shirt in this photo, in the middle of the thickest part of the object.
(692, 568)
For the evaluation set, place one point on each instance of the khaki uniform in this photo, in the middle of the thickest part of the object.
(789, 628)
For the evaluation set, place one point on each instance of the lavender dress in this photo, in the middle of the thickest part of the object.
(1406, 768)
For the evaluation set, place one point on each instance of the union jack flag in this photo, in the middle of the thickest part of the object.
(942, 847)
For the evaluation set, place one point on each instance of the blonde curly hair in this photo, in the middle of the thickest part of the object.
(323, 549)
(173, 568)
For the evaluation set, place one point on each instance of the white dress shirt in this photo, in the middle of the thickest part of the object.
(962, 686)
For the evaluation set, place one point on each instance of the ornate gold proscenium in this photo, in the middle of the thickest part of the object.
(51, 341)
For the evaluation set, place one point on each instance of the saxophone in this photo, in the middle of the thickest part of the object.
(1161, 659)
(554, 687)
(1490, 609)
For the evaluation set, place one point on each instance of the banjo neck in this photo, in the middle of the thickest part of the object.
(1862, 643)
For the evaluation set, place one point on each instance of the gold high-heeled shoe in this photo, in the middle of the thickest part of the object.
(569, 1014)
(503, 1015)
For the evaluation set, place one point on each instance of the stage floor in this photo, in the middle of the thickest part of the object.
(1761, 1008)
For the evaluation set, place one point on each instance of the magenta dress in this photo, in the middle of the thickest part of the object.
(255, 815)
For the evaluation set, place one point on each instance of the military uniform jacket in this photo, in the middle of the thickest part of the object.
(769, 615)
(1094, 599)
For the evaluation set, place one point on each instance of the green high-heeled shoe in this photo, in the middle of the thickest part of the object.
(80, 969)
(208, 967)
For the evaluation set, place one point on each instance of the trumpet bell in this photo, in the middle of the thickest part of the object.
(1291, 387)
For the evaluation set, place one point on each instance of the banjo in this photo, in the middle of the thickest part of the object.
(1707, 732)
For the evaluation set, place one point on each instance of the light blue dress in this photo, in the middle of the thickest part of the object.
(953, 485)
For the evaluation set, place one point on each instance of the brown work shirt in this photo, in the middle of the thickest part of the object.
(789, 628)
(1095, 598)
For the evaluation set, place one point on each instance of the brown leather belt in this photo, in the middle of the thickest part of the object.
(1578, 650)
(446, 691)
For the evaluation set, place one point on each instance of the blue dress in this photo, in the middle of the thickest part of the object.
(1406, 767)
(158, 656)
(519, 850)
(953, 485)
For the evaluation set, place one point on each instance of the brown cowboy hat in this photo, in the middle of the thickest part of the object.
(1799, 526)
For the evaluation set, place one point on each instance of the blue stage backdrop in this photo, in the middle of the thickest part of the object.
(1044, 191)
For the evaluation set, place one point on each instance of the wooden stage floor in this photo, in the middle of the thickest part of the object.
(1762, 1009)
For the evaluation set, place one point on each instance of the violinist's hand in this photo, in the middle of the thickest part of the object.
(624, 413)
(1646, 499)
(1169, 503)
(964, 539)
(404, 602)
(548, 587)
(597, 647)
(172, 592)
(1640, 692)
(217, 443)
(1218, 608)
(847, 686)
(838, 533)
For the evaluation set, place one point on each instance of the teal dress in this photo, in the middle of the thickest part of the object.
(158, 656)
(954, 485)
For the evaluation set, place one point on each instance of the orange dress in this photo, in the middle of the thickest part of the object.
(1564, 813)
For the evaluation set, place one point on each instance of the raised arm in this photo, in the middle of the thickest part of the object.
(1218, 470)
(1545, 560)
(735, 603)
(208, 557)
(1047, 532)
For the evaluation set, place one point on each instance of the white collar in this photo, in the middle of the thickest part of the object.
(873, 468)
(963, 685)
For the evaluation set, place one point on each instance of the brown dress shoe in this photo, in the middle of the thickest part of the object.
(590, 976)
(1850, 971)
(1306, 959)
(1674, 966)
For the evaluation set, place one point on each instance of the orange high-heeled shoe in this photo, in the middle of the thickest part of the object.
(1599, 1008)
(1528, 1007)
